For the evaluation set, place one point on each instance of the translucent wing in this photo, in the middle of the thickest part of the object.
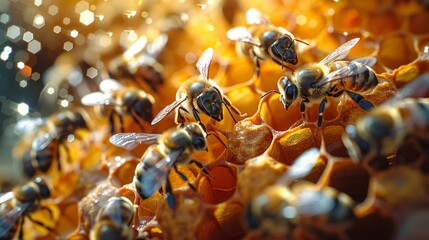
(353, 68)
(98, 98)
(164, 112)
(42, 141)
(130, 140)
(6, 197)
(254, 16)
(154, 48)
(302, 166)
(135, 48)
(28, 124)
(241, 34)
(341, 52)
(109, 85)
(153, 177)
(11, 217)
(368, 61)
(204, 61)
(418, 88)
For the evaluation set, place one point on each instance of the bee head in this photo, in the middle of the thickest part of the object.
(268, 38)
(283, 50)
(288, 91)
(80, 121)
(356, 146)
(198, 136)
(210, 103)
(44, 190)
(143, 108)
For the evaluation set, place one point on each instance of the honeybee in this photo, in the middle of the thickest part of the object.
(314, 82)
(45, 147)
(19, 204)
(280, 207)
(263, 40)
(139, 62)
(126, 101)
(199, 95)
(174, 147)
(384, 130)
(114, 220)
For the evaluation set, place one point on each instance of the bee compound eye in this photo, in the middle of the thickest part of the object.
(199, 142)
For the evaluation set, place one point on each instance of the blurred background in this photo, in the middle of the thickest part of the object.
(47, 48)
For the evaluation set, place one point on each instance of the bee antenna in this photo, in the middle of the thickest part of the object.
(217, 137)
(269, 92)
(301, 41)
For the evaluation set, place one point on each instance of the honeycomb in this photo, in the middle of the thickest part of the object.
(261, 147)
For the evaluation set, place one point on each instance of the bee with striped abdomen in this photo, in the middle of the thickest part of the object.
(173, 147)
(262, 41)
(19, 204)
(314, 82)
(129, 101)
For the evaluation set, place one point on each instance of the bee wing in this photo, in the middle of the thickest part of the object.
(154, 48)
(164, 112)
(42, 141)
(98, 98)
(418, 88)
(302, 166)
(204, 61)
(341, 52)
(368, 61)
(254, 16)
(8, 220)
(344, 72)
(135, 48)
(241, 34)
(28, 124)
(153, 177)
(109, 85)
(6, 197)
(130, 140)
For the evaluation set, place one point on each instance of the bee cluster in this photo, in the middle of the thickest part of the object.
(240, 120)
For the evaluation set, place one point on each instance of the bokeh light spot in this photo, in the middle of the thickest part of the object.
(53, 10)
(38, 21)
(13, 32)
(57, 29)
(81, 6)
(68, 46)
(91, 72)
(28, 36)
(4, 18)
(86, 17)
(34, 46)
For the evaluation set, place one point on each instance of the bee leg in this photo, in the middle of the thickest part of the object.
(227, 103)
(217, 137)
(184, 178)
(40, 224)
(51, 215)
(66, 148)
(21, 229)
(197, 118)
(302, 109)
(169, 193)
(360, 100)
(121, 122)
(255, 63)
(136, 120)
(179, 119)
(57, 156)
(203, 169)
(112, 122)
(321, 111)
